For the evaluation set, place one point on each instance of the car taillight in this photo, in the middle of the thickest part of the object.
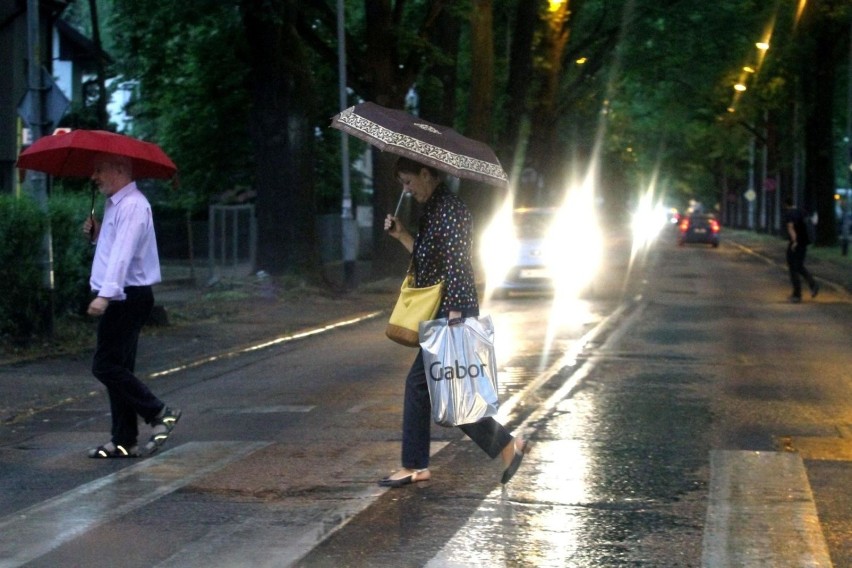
(714, 225)
(684, 225)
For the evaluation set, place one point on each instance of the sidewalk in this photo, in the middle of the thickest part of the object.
(202, 322)
(826, 264)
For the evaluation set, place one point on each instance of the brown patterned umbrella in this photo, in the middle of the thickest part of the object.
(404, 134)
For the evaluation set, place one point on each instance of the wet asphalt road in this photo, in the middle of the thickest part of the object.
(681, 367)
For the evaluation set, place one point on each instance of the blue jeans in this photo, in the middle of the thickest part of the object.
(488, 434)
(114, 362)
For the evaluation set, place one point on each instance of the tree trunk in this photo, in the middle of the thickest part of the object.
(545, 121)
(446, 38)
(382, 54)
(481, 199)
(818, 85)
(481, 105)
(520, 73)
(390, 258)
(388, 82)
(281, 134)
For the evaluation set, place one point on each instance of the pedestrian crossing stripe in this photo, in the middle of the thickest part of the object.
(37, 530)
(761, 511)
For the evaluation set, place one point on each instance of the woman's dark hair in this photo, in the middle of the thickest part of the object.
(409, 166)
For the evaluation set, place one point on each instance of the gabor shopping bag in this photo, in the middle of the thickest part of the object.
(461, 369)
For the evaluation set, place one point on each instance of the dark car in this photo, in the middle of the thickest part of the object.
(699, 228)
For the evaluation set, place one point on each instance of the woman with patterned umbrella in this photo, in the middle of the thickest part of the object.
(440, 253)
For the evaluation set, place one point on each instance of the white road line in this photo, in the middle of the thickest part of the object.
(569, 359)
(264, 345)
(33, 532)
(761, 512)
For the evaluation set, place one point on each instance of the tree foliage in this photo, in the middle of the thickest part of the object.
(191, 98)
(240, 92)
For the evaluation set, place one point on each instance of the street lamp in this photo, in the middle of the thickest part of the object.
(555, 5)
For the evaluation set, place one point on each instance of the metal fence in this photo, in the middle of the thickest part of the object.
(232, 241)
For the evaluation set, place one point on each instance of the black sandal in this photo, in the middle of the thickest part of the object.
(117, 451)
(163, 427)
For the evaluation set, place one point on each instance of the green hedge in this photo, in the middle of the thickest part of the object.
(24, 297)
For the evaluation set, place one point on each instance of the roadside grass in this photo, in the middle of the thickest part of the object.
(188, 303)
(74, 334)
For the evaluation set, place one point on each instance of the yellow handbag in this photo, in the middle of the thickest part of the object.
(413, 306)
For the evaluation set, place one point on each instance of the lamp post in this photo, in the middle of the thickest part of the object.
(764, 220)
(349, 227)
(750, 194)
(38, 180)
(847, 206)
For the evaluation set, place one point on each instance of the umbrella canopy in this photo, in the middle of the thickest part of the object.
(404, 134)
(73, 154)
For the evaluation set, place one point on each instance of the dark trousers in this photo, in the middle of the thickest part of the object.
(115, 359)
(796, 264)
(488, 434)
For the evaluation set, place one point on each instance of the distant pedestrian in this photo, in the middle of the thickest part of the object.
(797, 248)
(125, 266)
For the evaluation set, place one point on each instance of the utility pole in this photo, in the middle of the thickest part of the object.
(38, 180)
(847, 201)
(349, 227)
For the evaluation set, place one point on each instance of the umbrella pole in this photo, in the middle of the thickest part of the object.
(399, 204)
(92, 216)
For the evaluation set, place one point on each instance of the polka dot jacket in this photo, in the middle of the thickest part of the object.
(442, 250)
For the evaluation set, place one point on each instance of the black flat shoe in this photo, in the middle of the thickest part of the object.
(513, 466)
(412, 477)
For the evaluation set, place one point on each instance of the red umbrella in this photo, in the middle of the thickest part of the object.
(73, 154)
(404, 134)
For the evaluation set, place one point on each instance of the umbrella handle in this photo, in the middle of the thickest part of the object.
(398, 205)
(92, 217)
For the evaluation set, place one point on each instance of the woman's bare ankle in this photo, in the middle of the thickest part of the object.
(405, 472)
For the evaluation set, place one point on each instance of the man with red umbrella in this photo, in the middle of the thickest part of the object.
(125, 266)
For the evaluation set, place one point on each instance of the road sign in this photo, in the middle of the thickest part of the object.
(55, 102)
